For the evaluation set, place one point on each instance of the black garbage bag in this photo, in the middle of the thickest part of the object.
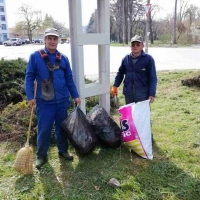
(79, 131)
(106, 129)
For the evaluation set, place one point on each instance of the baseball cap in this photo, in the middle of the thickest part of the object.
(51, 31)
(136, 38)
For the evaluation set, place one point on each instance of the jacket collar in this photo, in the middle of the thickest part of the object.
(142, 54)
(55, 52)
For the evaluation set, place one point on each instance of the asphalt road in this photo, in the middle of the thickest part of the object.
(165, 58)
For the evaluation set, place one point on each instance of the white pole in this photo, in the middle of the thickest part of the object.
(146, 37)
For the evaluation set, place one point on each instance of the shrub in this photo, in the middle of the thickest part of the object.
(12, 73)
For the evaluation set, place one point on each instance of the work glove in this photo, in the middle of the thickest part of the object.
(114, 91)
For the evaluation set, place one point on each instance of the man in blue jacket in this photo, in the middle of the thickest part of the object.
(139, 74)
(55, 84)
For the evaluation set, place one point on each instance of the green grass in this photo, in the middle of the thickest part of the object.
(117, 44)
(173, 174)
(157, 43)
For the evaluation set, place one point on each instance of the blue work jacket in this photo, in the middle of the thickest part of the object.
(63, 82)
(141, 76)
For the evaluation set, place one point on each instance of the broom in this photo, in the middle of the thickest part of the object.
(24, 159)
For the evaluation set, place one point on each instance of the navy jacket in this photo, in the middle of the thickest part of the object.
(63, 82)
(141, 75)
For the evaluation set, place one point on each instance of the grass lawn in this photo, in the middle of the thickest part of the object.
(157, 43)
(173, 174)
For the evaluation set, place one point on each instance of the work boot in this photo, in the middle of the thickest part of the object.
(40, 162)
(66, 156)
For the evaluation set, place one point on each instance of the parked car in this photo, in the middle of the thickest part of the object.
(38, 41)
(12, 42)
(27, 41)
(22, 41)
(64, 40)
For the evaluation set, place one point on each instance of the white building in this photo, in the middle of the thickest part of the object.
(3, 21)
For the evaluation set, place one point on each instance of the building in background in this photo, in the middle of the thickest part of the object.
(3, 21)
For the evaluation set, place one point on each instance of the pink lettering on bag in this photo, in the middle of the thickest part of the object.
(129, 131)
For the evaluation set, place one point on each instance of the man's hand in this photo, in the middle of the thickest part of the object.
(151, 98)
(114, 91)
(32, 102)
(77, 101)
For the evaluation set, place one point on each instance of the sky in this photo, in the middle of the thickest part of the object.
(59, 9)
(167, 6)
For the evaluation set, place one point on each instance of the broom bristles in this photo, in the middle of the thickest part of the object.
(24, 160)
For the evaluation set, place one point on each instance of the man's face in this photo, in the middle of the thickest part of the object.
(136, 47)
(51, 43)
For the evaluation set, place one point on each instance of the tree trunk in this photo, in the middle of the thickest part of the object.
(123, 22)
(175, 22)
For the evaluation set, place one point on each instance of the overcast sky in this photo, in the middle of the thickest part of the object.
(59, 9)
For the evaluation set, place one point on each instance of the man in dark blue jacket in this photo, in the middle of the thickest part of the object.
(55, 84)
(139, 74)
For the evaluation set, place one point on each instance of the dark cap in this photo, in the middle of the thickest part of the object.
(136, 38)
(51, 31)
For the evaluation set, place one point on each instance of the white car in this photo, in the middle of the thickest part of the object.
(12, 42)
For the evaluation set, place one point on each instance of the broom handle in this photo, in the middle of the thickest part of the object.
(31, 117)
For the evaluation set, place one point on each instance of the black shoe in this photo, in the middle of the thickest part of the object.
(66, 156)
(40, 162)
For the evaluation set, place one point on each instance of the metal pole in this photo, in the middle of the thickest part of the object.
(146, 37)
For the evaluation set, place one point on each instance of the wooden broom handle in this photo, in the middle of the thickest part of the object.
(31, 117)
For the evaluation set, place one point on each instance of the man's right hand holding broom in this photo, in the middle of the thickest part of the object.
(32, 102)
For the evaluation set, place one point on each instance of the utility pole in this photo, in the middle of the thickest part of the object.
(147, 10)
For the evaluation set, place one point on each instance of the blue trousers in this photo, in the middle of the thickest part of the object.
(47, 116)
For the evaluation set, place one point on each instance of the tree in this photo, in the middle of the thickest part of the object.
(192, 21)
(128, 15)
(31, 20)
(135, 14)
(152, 24)
(92, 25)
(175, 22)
(113, 28)
(47, 22)
(182, 11)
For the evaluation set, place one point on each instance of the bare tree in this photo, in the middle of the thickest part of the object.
(127, 18)
(182, 12)
(135, 17)
(31, 19)
(192, 21)
(152, 26)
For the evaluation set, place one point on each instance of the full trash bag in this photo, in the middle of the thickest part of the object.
(79, 131)
(136, 128)
(106, 129)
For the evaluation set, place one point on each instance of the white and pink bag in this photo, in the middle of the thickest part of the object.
(136, 128)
